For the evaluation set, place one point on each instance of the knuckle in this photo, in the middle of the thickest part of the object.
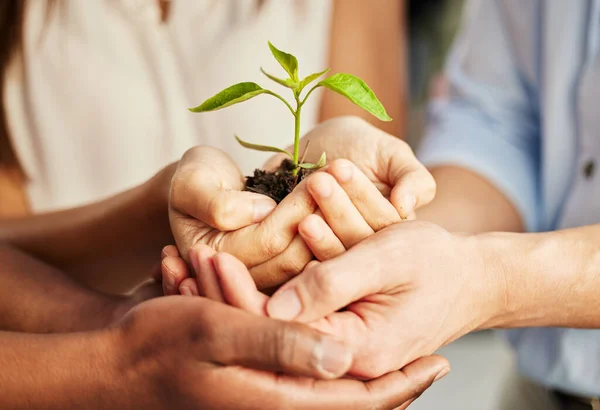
(221, 212)
(273, 244)
(325, 282)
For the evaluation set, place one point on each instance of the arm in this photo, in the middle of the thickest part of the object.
(467, 202)
(57, 372)
(483, 144)
(367, 40)
(110, 245)
(38, 298)
(549, 279)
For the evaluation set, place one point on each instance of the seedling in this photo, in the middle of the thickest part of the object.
(282, 182)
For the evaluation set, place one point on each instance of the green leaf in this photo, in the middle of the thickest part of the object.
(320, 164)
(263, 148)
(287, 61)
(357, 91)
(286, 83)
(229, 96)
(309, 79)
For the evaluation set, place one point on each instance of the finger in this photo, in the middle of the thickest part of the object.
(337, 208)
(387, 392)
(331, 285)
(189, 287)
(170, 250)
(208, 186)
(238, 286)
(235, 337)
(376, 210)
(206, 276)
(319, 237)
(284, 266)
(258, 243)
(174, 271)
(413, 185)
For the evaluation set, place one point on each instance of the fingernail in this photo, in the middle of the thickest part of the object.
(443, 373)
(409, 201)
(285, 306)
(333, 357)
(344, 171)
(185, 291)
(262, 207)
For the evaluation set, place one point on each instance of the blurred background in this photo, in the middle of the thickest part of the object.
(99, 102)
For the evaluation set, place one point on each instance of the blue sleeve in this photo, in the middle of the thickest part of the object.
(489, 125)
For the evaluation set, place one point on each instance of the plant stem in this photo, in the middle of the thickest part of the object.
(283, 100)
(297, 133)
(309, 93)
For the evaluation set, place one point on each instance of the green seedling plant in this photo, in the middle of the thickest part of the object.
(351, 87)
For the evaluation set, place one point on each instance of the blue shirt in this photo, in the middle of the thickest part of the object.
(524, 112)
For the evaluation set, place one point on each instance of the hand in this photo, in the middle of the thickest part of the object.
(406, 291)
(386, 160)
(190, 353)
(350, 210)
(207, 206)
(206, 188)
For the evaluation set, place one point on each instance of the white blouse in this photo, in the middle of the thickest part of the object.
(100, 103)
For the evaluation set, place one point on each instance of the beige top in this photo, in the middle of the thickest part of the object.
(100, 103)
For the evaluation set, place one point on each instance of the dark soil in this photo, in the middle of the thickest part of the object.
(278, 184)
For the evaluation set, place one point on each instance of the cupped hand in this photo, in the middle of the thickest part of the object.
(351, 209)
(387, 161)
(401, 294)
(190, 353)
(208, 206)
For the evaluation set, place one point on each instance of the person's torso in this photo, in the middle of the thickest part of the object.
(557, 51)
(100, 103)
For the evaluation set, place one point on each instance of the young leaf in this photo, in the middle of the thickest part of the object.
(320, 164)
(309, 79)
(264, 148)
(287, 61)
(229, 96)
(357, 91)
(286, 83)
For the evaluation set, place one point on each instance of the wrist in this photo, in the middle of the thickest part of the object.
(523, 268)
(153, 197)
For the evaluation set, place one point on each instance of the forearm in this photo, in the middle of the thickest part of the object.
(466, 202)
(367, 40)
(37, 298)
(110, 245)
(548, 279)
(68, 371)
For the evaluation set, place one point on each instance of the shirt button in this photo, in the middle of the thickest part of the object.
(589, 169)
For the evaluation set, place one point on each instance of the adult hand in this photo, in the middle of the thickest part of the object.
(351, 209)
(387, 161)
(406, 291)
(207, 206)
(190, 353)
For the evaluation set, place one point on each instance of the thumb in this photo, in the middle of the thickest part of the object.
(329, 286)
(243, 339)
(208, 186)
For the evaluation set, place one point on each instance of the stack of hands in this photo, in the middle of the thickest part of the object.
(329, 299)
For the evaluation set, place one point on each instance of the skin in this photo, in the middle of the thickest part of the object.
(367, 40)
(104, 352)
(208, 206)
(200, 201)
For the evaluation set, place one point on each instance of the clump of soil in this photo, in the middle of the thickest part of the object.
(278, 184)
